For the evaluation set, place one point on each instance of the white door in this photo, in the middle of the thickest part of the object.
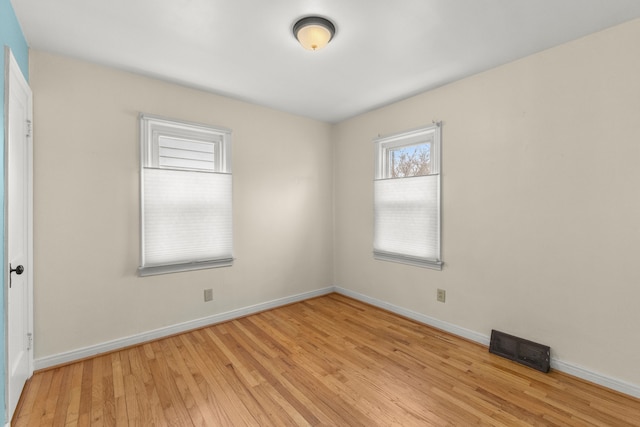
(19, 265)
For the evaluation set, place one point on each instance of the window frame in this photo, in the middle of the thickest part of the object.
(152, 128)
(383, 146)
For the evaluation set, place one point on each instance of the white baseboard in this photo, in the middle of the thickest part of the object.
(603, 380)
(431, 321)
(568, 368)
(71, 356)
(81, 353)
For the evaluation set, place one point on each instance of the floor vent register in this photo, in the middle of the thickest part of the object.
(528, 353)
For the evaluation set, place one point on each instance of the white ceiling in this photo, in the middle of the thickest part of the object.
(383, 50)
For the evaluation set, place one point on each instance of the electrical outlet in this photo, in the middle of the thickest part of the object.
(208, 295)
(442, 295)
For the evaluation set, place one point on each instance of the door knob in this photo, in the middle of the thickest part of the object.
(18, 270)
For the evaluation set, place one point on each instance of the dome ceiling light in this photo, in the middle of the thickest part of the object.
(314, 32)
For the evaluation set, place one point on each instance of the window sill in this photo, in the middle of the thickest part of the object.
(409, 260)
(177, 268)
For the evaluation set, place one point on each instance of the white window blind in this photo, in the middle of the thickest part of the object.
(185, 154)
(407, 198)
(186, 196)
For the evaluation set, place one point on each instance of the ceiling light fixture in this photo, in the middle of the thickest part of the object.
(314, 32)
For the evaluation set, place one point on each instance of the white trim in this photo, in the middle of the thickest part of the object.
(177, 268)
(562, 366)
(81, 353)
(427, 320)
(594, 377)
(407, 259)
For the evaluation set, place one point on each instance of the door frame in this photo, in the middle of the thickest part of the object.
(12, 67)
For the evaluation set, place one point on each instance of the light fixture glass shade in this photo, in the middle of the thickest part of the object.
(313, 32)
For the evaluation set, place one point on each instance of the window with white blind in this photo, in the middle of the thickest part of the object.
(407, 198)
(186, 197)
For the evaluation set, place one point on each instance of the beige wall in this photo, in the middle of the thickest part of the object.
(86, 223)
(541, 202)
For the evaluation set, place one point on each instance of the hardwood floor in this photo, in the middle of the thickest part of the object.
(326, 361)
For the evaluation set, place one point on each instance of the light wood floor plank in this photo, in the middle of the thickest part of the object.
(328, 361)
(38, 408)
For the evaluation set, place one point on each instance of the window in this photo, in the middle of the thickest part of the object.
(407, 198)
(185, 192)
